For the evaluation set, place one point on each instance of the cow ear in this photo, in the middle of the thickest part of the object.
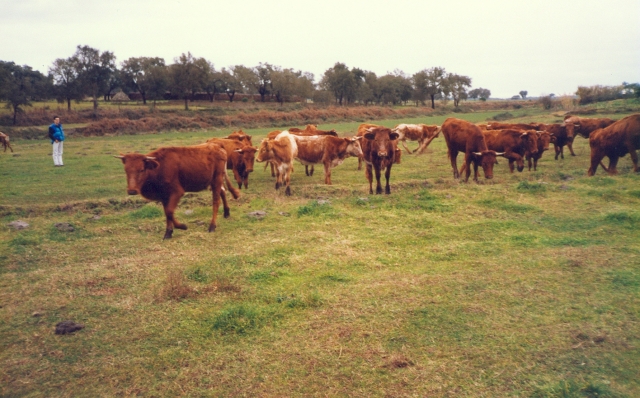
(150, 164)
(394, 136)
(370, 135)
(357, 138)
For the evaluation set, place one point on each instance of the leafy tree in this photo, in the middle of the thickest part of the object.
(19, 85)
(394, 88)
(247, 78)
(481, 93)
(631, 88)
(523, 94)
(344, 83)
(229, 83)
(185, 77)
(208, 77)
(66, 79)
(457, 86)
(286, 83)
(95, 70)
(141, 73)
(433, 82)
(420, 84)
(263, 72)
(366, 91)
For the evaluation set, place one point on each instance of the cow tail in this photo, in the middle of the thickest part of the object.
(230, 187)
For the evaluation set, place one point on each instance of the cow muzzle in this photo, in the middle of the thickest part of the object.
(382, 154)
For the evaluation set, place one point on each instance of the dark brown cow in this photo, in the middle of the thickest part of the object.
(165, 174)
(4, 140)
(462, 136)
(560, 138)
(514, 144)
(280, 151)
(584, 127)
(362, 129)
(328, 150)
(240, 158)
(379, 152)
(544, 138)
(422, 133)
(615, 141)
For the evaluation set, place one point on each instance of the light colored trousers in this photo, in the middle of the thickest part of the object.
(57, 153)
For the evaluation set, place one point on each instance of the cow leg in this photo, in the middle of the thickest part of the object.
(369, 175)
(237, 176)
(170, 205)
(287, 180)
(273, 173)
(570, 146)
(404, 144)
(387, 175)
(327, 173)
(378, 185)
(454, 164)
(359, 162)
(596, 160)
(511, 165)
(311, 171)
(245, 180)
(529, 162)
(535, 164)
(306, 170)
(613, 164)
(634, 158)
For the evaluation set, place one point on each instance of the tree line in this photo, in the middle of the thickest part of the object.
(92, 73)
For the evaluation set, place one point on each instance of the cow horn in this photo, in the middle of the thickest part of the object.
(151, 158)
(499, 153)
(118, 157)
(477, 153)
(357, 138)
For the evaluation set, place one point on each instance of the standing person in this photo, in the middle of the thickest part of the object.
(57, 137)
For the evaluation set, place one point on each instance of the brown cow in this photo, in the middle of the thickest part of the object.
(514, 143)
(416, 132)
(328, 150)
(615, 141)
(513, 126)
(544, 138)
(164, 175)
(379, 152)
(560, 138)
(4, 140)
(584, 127)
(362, 129)
(462, 136)
(240, 136)
(280, 151)
(309, 130)
(240, 158)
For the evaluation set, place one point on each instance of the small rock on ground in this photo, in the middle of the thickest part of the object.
(64, 227)
(257, 214)
(18, 224)
(67, 327)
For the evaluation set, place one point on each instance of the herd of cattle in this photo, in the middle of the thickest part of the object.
(165, 174)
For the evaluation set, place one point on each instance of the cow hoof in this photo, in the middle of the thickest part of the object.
(226, 213)
(167, 235)
(287, 192)
(180, 226)
(387, 191)
(212, 228)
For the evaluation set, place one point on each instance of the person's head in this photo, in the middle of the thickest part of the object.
(56, 120)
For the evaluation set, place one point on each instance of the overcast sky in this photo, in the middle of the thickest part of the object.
(542, 46)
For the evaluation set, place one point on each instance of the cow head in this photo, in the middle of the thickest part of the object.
(265, 151)
(353, 146)
(486, 160)
(381, 141)
(530, 139)
(248, 155)
(136, 166)
(544, 138)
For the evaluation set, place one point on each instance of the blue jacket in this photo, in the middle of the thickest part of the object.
(56, 132)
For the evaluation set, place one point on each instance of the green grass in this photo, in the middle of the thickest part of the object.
(523, 285)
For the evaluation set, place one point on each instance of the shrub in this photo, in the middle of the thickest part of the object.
(533, 187)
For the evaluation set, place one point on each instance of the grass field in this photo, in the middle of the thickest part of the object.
(526, 285)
